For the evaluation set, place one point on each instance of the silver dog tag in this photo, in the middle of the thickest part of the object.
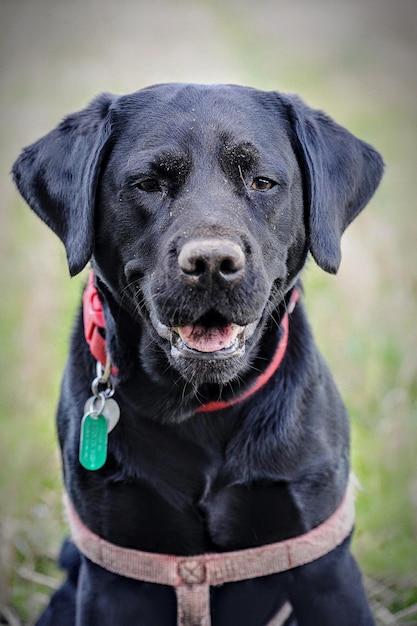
(111, 411)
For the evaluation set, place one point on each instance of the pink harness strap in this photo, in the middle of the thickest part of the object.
(192, 576)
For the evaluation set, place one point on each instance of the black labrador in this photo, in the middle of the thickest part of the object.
(197, 207)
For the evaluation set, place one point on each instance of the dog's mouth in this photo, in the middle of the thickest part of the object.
(209, 338)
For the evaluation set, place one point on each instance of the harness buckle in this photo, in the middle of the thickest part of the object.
(192, 571)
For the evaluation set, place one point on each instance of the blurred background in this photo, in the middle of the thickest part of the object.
(356, 59)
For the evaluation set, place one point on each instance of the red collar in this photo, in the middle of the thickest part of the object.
(94, 331)
(94, 324)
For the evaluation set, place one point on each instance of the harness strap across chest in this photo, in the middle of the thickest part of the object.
(192, 576)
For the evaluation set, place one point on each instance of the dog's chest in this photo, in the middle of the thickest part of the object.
(185, 493)
(194, 518)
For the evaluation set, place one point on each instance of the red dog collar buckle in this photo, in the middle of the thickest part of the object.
(94, 325)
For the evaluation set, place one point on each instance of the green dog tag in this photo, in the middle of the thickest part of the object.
(93, 442)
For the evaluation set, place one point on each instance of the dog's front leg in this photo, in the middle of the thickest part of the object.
(104, 598)
(329, 591)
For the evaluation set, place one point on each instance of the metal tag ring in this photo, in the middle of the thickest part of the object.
(108, 392)
(95, 412)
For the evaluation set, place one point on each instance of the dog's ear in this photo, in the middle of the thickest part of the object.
(57, 177)
(342, 173)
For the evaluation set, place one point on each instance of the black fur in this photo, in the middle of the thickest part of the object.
(127, 183)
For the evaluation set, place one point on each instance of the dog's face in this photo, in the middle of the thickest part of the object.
(200, 223)
(198, 206)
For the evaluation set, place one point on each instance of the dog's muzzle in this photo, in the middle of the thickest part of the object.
(209, 265)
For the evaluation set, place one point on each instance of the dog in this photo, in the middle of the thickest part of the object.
(205, 446)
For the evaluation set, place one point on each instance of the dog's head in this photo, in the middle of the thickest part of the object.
(198, 206)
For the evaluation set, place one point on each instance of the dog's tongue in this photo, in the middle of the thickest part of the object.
(208, 339)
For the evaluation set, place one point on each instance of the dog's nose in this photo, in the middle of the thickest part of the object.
(210, 258)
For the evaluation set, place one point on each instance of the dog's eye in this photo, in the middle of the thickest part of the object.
(150, 185)
(262, 184)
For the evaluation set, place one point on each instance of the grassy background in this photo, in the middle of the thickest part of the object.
(354, 58)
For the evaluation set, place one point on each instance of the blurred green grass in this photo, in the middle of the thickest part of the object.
(354, 59)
